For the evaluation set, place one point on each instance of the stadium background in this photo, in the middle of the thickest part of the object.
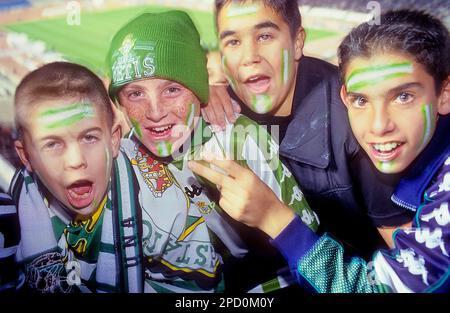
(34, 32)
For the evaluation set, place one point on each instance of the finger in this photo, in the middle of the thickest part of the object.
(209, 112)
(226, 103)
(228, 207)
(229, 166)
(217, 107)
(236, 106)
(213, 176)
(205, 114)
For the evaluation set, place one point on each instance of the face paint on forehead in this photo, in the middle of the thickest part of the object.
(61, 117)
(237, 10)
(428, 121)
(261, 103)
(367, 76)
(164, 148)
(285, 66)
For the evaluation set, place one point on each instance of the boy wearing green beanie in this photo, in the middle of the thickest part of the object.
(159, 76)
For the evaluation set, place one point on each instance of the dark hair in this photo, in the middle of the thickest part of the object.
(416, 33)
(60, 80)
(287, 9)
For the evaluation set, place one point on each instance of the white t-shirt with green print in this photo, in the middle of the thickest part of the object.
(181, 219)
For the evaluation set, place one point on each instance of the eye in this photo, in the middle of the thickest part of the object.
(231, 43)
(135, 95)
(172, 91)
(404, 97)
(358, 102)
(89, 138)
(51, 145)
(265, 37)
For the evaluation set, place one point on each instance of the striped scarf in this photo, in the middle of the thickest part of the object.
(102, 254)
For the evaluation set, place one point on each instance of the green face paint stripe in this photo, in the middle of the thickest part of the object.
(427, 118)
(54, 118)
(377, 76)
(108, 161)
(261, 103)
(75, 106)
(164, 148)
(384, 166)
(227, 74)
(190, 115)
(67, 121)
(285, 66)
(137, 128)
(369, 69)
(365, 83)
(242, 10)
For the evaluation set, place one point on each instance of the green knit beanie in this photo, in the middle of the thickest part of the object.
(161, 45)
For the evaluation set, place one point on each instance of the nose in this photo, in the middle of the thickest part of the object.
(74, 157)
(381, 122)
(250, 54)
(156, 110)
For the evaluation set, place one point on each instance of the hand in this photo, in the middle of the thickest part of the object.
(244, 196)
(120, 118)
(220, 107)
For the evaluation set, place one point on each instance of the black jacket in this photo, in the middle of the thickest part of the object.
(338, 179)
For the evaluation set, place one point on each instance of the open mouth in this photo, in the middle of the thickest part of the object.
(386, 151)
(81, 193)
(258, 84)
(160, 131)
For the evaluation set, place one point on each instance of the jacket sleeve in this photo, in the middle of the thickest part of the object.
(418, 263)
(260, 153)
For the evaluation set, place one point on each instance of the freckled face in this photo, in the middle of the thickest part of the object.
(164, 112)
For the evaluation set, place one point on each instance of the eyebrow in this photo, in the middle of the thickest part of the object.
(55, 137)
(266, 24)
(405, 86)
(391, 91)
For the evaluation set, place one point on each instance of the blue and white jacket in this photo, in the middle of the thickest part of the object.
(420, 260)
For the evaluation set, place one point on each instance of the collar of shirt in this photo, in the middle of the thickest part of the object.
(409, 192)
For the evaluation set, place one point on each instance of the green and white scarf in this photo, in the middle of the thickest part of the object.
(102, 254)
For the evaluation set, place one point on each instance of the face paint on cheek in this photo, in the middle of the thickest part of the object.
(240, 10)
(108, 162)
(261, 103)
(229, 77)
(385, 167)
(137, 128)
(189, 121)
(285, 66)
(63, 117)
(428, 122)
(367, 76)
(164, 148)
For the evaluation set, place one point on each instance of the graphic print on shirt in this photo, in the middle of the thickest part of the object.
(153, 172)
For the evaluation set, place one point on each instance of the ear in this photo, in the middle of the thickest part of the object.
(116, 135)
(299, 42)
(444, 98)
(22, 153)
(343, 94)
